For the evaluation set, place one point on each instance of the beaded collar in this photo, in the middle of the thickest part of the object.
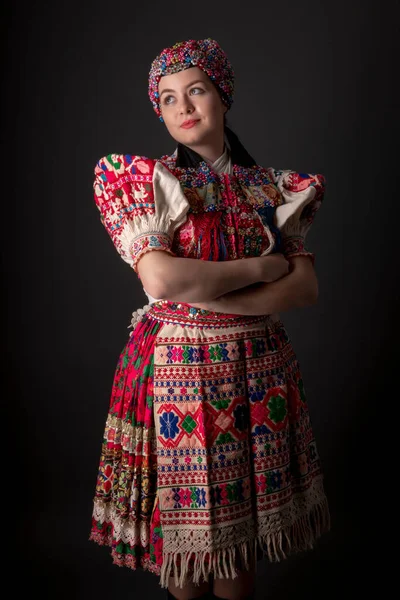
(203, 173)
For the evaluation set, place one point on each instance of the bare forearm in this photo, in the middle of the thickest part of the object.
(297, 289)
(192, 280)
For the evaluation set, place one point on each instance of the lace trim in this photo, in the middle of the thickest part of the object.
(193, 554)
(126, 560)
(291, 529)
(127, 531)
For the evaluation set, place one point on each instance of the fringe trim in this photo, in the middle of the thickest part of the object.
(299, 536)
(223, 563)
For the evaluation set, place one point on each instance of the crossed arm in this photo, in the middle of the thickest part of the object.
(244, 286)
(297, 289)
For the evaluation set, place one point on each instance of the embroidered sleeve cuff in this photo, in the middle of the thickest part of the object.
(154, 240)
(295, 246)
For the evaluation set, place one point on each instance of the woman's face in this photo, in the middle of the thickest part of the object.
(192, 108)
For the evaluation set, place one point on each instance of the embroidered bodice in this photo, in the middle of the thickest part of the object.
(216, 211)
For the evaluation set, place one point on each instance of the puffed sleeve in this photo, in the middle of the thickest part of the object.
(302, 195)
(141, 204)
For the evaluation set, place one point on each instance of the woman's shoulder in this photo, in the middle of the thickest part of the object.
(112, 167)
(123, 180)
(296, 181)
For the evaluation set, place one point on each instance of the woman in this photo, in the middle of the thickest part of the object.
(209, 460)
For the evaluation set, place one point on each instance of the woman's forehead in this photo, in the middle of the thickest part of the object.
(182, 79)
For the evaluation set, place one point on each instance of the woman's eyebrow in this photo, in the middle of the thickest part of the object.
(188, 85)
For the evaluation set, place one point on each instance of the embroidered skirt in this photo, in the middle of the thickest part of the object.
(209, 460)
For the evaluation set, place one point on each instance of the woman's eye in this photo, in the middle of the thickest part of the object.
(194, 91)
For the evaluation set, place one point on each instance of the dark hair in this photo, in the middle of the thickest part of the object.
(239, 154)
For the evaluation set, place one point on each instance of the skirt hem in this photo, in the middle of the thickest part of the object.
(226, 562)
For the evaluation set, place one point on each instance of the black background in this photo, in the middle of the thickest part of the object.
(315, 93)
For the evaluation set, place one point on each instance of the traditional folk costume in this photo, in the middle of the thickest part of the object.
(209, 459)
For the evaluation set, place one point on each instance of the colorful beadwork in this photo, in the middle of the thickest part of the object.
(205, 54)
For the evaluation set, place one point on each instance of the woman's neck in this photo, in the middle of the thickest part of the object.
(218, 159)
(211, 151)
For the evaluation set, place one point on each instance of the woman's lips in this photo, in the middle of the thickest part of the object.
(189, 124)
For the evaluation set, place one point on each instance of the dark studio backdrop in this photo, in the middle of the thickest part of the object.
(315, 92)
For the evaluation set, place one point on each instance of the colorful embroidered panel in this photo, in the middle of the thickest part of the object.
(230, 216)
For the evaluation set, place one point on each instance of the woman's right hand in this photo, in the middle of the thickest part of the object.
(273, 267)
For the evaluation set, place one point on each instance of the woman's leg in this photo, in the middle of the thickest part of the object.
(189, 591)
(240, 588)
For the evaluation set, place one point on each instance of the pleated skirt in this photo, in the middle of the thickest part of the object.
(208, 461)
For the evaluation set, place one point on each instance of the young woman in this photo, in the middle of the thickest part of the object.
(209, 461)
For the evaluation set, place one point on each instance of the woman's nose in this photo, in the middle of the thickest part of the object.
(186, 107)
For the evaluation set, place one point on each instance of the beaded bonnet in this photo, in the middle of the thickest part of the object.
(205, 54)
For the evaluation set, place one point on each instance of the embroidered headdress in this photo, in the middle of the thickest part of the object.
(205, 54)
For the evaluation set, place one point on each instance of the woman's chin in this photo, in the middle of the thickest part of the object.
(190, 136)
(189, 140)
